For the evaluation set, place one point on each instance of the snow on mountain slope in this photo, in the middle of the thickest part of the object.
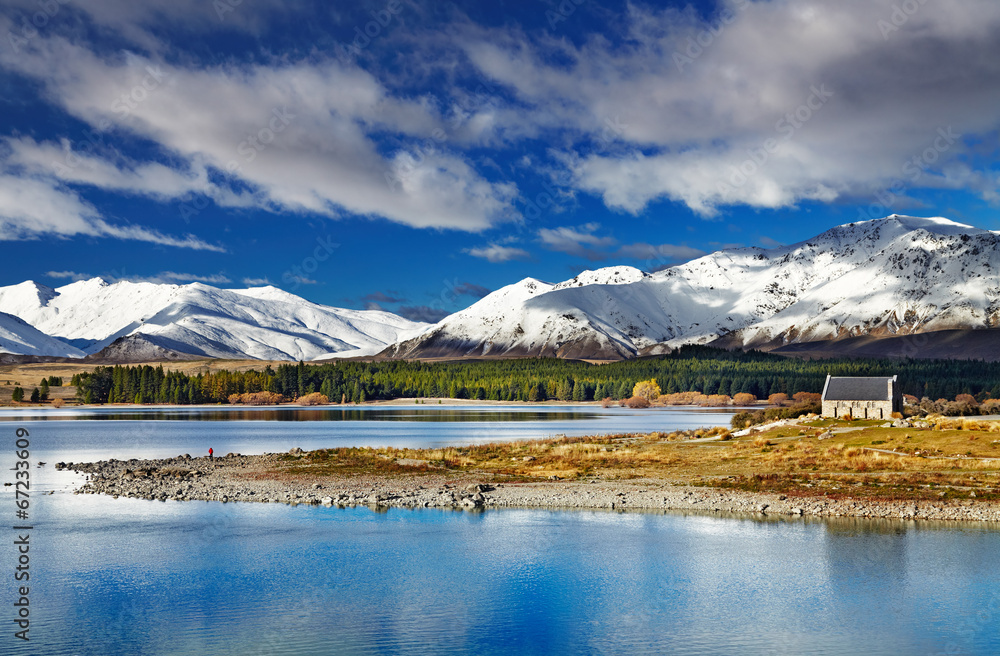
(888, 276)
(264, 323)
(20, 338)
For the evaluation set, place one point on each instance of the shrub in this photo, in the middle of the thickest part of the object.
(743, 398)
(743, 420)
(256, 398)
(637, 402)
(990, 406)
(778, 399)
(807, 398)
(607, 402)
(314, 398)
(57, 403)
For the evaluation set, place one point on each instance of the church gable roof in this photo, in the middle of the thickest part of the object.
(858, 389)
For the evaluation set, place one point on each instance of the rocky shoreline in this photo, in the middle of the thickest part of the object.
(236, 477)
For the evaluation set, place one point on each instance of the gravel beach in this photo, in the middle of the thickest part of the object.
(252, 478)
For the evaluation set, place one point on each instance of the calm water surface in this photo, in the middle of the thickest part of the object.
(123, 576)
(96, 433)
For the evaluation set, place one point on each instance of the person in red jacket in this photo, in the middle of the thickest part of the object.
(210, 456)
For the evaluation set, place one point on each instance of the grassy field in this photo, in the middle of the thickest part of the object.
(866, 462)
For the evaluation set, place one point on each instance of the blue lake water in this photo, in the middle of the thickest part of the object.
(97, 433)
(124, 576)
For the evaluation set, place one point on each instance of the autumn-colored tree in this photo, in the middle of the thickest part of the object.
(778, 399)
(637, 402)
(807, 398)
(743, 398)
(57, 403)
(647, 389)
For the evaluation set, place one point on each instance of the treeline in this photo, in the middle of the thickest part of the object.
(690, 369)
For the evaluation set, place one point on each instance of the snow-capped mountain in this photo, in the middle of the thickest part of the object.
(891, 276)
(197, 319)
(17, 336)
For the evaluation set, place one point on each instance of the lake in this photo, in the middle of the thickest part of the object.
(125, 576)
(96, 433)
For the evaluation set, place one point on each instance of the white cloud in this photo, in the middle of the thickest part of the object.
(168, 277)
(30, 208)
(300, 135)
(172, 276)
(648, 125)
(257, 282)
(659, 254)
(72, 275)
(645, 116)
(496, 253)
(579, 241)
(301, 280)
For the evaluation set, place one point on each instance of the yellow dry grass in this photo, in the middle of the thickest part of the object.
(887, 462)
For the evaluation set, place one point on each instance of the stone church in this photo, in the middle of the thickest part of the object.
(862, 398)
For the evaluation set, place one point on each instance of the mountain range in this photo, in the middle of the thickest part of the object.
(895, 276)
(864, 288)
(141, 320)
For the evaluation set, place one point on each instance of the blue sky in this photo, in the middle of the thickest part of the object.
(415, 155)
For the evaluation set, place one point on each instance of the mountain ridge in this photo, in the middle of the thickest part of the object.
(869, 280)
(891, 276)
(262, 323)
